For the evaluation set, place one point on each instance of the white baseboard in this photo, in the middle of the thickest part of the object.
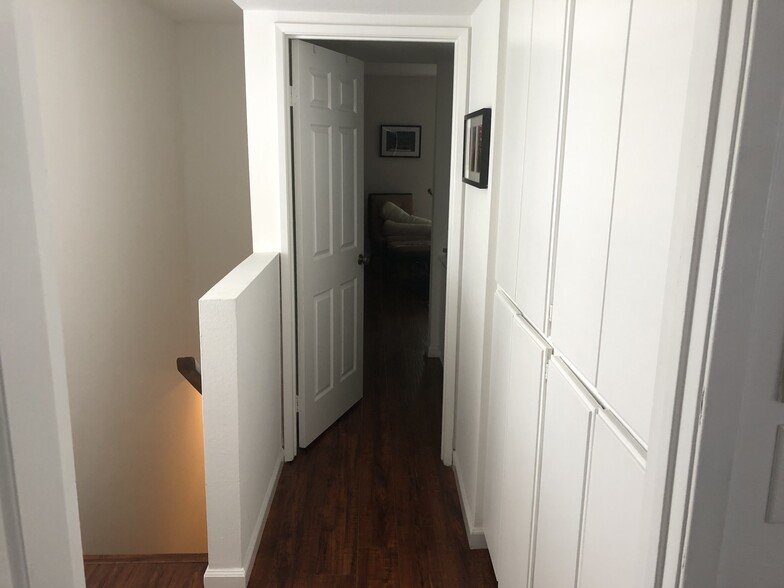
(475, 535)
(238, 577)
(224, 578)
(258, 529)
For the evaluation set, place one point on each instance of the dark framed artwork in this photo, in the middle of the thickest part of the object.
(401, 140)
(476, 148)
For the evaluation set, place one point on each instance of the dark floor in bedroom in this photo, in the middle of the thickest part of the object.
(369, 503)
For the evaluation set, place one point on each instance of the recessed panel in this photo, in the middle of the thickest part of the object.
(323, 321)
(568, 419)
(538, 165)
(320, 89)
(591, 145)
(321, 138)
(348, 188)
(348, 95)
(348, 328)
(613, 536)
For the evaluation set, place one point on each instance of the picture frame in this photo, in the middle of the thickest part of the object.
(401, 141)
(476, 148)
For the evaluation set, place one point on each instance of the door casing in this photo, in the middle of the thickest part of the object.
(459, 38)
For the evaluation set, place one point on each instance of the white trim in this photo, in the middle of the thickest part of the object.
(258, 529)
(460, 37)
(224, 578)
(475, 535)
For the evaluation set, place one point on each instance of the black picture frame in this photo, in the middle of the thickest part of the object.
(400, 141)
(476, 148)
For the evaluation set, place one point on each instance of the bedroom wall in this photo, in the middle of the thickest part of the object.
(405, 100)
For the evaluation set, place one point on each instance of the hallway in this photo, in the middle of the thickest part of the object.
(369, 503)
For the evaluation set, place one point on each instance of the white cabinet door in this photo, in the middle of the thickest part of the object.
(654, 107)
(568, 422)
(591, 142)
(515, 100)
(503, 322)
(613, 512)
(526, 375)
(541, 143)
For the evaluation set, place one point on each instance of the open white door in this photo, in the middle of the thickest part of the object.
(328, 137)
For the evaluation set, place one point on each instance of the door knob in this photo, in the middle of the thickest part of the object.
(363, 260)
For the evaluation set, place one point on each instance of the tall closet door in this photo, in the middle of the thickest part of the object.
(654, 108)
(498, 408)
(541, 142)
(511, 156)
(568, 423)
(593, 118)
(613, 535)
(526, 374)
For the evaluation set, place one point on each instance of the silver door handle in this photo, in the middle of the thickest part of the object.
(363, 260)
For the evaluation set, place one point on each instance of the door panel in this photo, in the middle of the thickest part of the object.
(329, 211)
(526, 375)
(503, 323)
(654, 110)
(541, 139)
(518, 58)
(590, 148)
(613, 512)
(568, 422)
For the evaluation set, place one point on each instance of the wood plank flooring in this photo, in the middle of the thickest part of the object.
(369, 503)
(178, 570)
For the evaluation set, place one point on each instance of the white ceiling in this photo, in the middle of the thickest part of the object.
(228, 11)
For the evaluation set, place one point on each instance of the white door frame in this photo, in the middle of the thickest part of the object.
(459, 37)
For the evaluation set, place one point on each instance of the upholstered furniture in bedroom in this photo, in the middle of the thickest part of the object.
(395, 233)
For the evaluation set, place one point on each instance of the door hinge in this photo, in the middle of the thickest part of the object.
(547, 370)
(290, 96)
(550, 316)
(296, 403)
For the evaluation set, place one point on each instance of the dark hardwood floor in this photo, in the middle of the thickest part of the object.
(369, 503)
(169, 571)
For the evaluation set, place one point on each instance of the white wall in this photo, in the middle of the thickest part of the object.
(403, 100)
(111, 122)
(240, 340)
(469, 442)
(215, 152)
(39, 541)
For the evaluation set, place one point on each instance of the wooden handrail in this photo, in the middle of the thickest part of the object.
(190, 370)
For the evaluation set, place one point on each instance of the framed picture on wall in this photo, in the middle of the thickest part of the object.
(401, 140)
(476, 148)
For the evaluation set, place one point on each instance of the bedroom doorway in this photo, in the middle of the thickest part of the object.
(371, 161)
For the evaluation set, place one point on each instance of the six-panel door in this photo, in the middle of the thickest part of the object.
(328, 140)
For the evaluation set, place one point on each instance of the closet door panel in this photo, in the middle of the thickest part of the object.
(526, 375)
(503, 325)
(650, 137)
(568, 421)
(613, 512)
(538, 166)
(516, 107)
(590, 148)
